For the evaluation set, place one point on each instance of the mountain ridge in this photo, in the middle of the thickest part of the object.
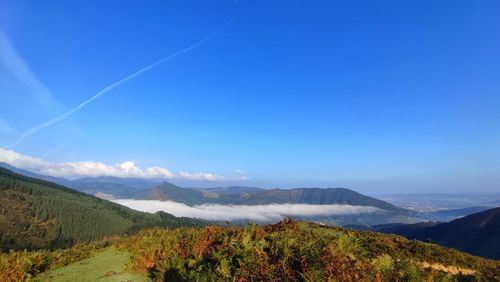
(241, 195)
(314, 196)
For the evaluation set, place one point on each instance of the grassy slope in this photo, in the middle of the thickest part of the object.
(108, 265)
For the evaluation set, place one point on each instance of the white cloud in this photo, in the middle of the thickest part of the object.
(91, 168)
(20, 160)
(260, 213)
(206, 176)
(11, 59)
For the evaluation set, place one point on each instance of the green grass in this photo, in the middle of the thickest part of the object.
(108, 265)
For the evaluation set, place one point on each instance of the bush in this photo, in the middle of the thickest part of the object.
(24, 265)
(290, 251)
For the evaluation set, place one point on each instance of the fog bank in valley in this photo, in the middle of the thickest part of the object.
(260, 213)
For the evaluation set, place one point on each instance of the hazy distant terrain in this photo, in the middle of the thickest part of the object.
(443, 207)
(431, 202)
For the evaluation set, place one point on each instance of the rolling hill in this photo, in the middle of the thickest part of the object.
(234, 189)
(237, 195)
(478, 233)
(170, 192)
(38, 214)
(111, 188)
(386, 213)
(105, 190)
(135, 183)
(313, 196)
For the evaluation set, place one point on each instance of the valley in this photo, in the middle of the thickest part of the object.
(112, 242)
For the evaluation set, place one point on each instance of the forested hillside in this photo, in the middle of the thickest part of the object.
(39, 214)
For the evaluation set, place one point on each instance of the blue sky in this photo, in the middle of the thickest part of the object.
(393, 96)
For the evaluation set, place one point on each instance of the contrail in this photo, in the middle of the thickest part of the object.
(112, 86)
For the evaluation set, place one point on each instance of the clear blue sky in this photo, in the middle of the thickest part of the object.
(378, 96)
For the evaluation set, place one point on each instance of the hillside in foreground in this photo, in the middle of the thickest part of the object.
(38, 214)
(288, 251)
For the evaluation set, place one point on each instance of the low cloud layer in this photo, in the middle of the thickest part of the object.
(259, 213)
(90, 168)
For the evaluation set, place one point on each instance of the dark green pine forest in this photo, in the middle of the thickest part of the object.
(37, 214)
